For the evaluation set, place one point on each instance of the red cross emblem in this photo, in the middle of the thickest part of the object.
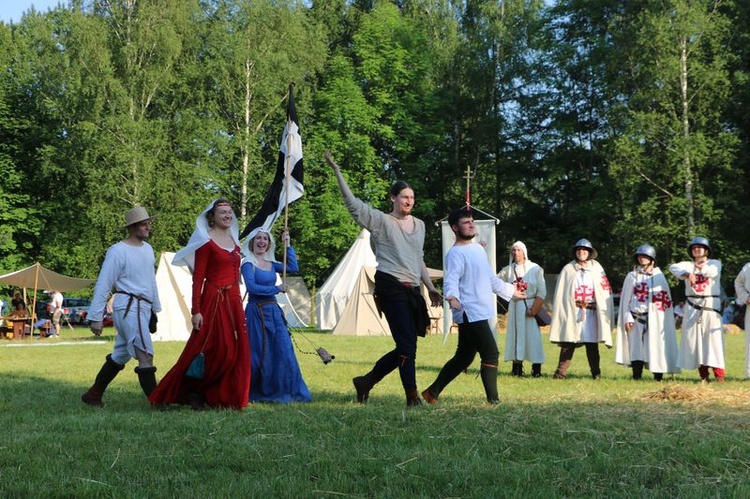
(605, 283)
(584, 293)
(701, 283)
(640, 291)
(662, 300)
(520, 284)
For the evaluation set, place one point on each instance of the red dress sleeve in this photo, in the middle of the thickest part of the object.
(199, 275)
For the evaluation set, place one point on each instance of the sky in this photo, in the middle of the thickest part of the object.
(11, 10)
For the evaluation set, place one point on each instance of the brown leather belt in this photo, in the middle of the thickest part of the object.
(589, 305)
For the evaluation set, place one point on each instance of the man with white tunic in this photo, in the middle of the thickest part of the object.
(128, 272)
(56, 310)
(582, 312)
(702, 335)
(468, 284)
(523, 338)
(646, 333)
(742, 289)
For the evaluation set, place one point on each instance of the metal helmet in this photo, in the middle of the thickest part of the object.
(698, 241)
(585, 243)
(645, 250)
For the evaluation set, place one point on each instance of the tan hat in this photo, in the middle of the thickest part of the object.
(135, 215)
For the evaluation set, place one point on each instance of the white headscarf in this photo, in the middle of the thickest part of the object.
(247, 247)
(518, 244)
(186, 256)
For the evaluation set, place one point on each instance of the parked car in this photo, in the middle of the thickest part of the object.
(77, 309)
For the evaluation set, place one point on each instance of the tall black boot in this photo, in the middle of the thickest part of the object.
(592, 353)
(489, 380)
(658, 376)
(517, 368)
(107, 373)
(637, 369)
(147, 379)
(536, 370)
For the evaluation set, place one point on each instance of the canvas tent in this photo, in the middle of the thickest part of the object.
(175, 286)
(36, 276)
(345, 302)
(333, 295)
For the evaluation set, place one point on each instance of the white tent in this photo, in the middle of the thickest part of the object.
(333, 295)
(345, 302)
(361, 317)
(175, 286)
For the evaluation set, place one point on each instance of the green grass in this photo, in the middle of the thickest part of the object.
(548, 438)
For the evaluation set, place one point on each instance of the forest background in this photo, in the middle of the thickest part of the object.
(622, 121)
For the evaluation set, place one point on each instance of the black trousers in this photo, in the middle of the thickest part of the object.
(473, 337)
(404, 332)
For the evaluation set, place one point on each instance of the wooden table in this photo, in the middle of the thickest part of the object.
(16, 328)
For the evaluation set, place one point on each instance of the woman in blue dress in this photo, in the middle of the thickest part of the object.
(276, 376)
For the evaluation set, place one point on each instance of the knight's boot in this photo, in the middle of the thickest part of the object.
(637, 369)
(592, 354)
(107, 373)
(147, 379)
(566, 356)
(489, 380)
(536, 370)
(517, 368)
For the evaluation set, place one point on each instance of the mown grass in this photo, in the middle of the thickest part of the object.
(574, 438)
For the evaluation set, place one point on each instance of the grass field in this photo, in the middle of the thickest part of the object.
(548, 438)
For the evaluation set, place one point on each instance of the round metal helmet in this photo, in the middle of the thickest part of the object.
(645, 250)
(698, 241)
(585, 243)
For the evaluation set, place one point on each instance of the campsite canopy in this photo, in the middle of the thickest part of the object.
(37, 277)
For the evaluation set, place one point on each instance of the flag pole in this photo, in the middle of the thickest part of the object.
(286, 197)
(288, 174)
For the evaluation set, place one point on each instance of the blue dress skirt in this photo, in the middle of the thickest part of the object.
(275, 372)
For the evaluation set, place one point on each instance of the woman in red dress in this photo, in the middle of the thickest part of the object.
(219, 332)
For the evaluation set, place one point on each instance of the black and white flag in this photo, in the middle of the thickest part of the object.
(290, 157)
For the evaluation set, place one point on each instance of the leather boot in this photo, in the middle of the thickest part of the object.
(147, 379)
(536, 370)
(566, 356)
(637, 369)
(363, 385)
(489, 380)
(412, 397)
(592, 354)
(517, 368)
(106, 374)
(430, 396)
(658, 376)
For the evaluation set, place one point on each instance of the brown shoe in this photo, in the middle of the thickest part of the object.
(93, 397)
(429, 397)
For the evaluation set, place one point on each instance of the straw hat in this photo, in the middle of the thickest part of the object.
(136, 215)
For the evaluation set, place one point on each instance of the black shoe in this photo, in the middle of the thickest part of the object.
(363, 389)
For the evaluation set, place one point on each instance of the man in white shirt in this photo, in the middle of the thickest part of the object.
(56, 310)
(128, 272)
(468, 285)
